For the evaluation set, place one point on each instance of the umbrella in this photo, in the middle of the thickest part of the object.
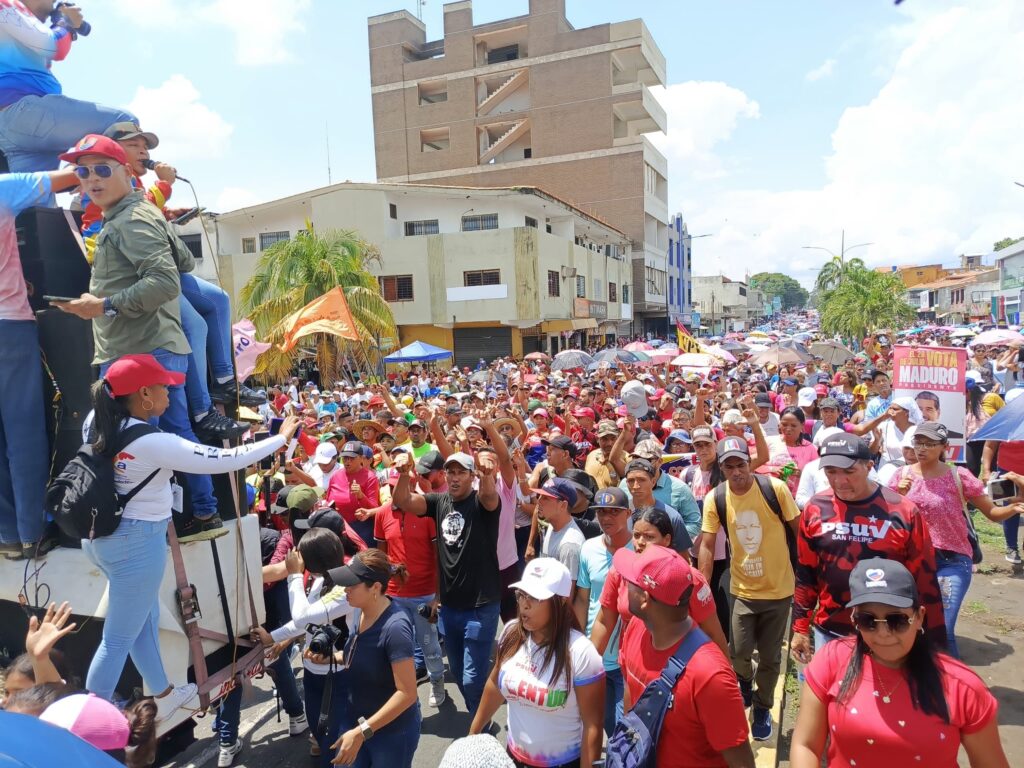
(616, 355)
(831, 352)
(638, 346)
(598, 365)
(962, 333)
(997, 336)
(656, 343)
(734, 346)
(571, 358)
(537, 356)
(781, 355)
(1007, 424)
(761, 334)
(663, 355)
(32, 743)
(695, 360)
(417, 352)
(488, 376)
(719, 353)
(643, 358)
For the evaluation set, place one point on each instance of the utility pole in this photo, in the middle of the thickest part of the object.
(843, 250)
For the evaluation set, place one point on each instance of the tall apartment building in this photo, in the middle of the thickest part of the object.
(680, 292)
(531, 101)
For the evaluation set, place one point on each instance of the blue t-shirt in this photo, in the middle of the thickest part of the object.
(595, 562)
(371, 681)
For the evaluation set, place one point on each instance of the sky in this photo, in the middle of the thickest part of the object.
(789, 123)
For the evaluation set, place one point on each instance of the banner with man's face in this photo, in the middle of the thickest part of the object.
(935, 378)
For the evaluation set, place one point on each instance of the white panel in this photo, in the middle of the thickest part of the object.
(477, 292)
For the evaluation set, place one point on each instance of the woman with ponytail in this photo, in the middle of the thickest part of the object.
(886, 696)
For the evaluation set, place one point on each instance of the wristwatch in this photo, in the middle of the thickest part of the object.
(108, 308)
(364, 728)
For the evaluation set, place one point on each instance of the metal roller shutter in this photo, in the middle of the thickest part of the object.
(473, 343)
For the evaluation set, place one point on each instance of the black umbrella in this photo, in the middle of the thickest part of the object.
(571, 358)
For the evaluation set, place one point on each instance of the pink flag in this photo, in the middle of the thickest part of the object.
(247, 349)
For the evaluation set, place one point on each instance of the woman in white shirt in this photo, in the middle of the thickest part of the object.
(133, 557)
(549, 673)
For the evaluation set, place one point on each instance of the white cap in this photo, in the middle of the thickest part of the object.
(464, 460)
(634, 397)
(732, 416)
(544, 578)
(326, 453)
(469, 421)
(806, 397)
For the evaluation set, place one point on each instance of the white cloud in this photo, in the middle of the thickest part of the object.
(924, 170)
(233, 198)
(188, 129)
(700, 116)
(825, 70)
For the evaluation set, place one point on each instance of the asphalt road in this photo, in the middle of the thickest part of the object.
(266, 741)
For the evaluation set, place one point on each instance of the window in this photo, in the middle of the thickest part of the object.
(396, 287)
(479, 221)
(531, 222)
(425, 227)
(434, 140)
(581, 286)
(679, 290)
(671, 299)
(505, 53)
(742, 290)
(527, 153)
(481, 277)
(547, 227)
(433, 92)
(671, 248)
(267, 239)
(248, 245)
(625, 294)
(613, 292)
(393, 210)
(598, 288)
(554, 286)
(194, 243)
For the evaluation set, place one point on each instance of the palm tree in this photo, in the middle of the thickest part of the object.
(835, 270)
(864, 301)
(291, 274)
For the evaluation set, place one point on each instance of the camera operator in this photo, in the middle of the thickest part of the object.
(324, 683)
(37, 122)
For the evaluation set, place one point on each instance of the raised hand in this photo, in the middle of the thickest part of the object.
(43, 635)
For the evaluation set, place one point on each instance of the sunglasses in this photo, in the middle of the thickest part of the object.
(896, 622)
(102, 170)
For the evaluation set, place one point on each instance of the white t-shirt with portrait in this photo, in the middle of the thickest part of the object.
(544, 723)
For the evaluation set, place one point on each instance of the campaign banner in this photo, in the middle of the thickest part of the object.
(934, 377)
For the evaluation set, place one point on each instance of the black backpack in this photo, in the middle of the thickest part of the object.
(765, 485)
(83, 499)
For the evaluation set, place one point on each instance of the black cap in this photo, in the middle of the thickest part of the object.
(584, 483)
(843, 451)
(454, 409)
(322, 518)
(932, 430)
(431, 461)
(733, 447)
(641, 464)
(610, 498)
(357, 572)
(763, 399)
(877, 580)
(562, 441)
(418, 423)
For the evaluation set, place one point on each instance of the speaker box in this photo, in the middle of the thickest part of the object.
(52, 254)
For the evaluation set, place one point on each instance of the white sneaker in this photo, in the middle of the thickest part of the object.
(227, 754)
(437, 693)
(166, 705)
(297, 725)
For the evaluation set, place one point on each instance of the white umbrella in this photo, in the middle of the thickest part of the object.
(962, 333)
(722, 354)
(695, 360)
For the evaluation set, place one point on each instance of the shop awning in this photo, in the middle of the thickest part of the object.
(558, 326)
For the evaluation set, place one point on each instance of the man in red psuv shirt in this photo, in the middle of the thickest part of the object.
(856, 520)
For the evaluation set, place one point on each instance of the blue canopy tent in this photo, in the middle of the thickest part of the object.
(418, 352)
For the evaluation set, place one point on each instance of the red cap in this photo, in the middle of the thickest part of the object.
(574, 391)
(657, 394)
(133, 372)
(659, 571)
(94, 144)
(821, 390)
(580, 413)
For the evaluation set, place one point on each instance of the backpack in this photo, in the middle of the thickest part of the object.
(765, 484)
(83, 499)
(634, 742)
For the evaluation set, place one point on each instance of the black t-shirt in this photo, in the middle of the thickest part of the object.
(467, 550)
(371, 681)
(586, 520)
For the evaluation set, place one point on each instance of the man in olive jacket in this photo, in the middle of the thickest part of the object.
(134, 289)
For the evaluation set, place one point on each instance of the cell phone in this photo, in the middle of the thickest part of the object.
(267, 462)
(60, 299)
(186, 217)
(275, 425)
(1001, 489)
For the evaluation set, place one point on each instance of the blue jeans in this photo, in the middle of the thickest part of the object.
(613, 692)
(197, 389)
(133, 559)
(35, 129)
(468, 637)
(24, 453)
(213, 304)
(426, 634)
(954, 573)
(175, 420)
(1011, 527)
(313, 690)
(225, 722)
(392, 747)
(820, 638)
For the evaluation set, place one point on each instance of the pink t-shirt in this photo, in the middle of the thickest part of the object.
(939, 501)
(18, 191)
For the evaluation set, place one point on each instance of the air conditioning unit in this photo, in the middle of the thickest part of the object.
(568, 271)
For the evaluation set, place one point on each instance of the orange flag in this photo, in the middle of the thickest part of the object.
(328, 314)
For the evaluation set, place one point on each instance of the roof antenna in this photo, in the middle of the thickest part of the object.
(327, 131)
(419, 9)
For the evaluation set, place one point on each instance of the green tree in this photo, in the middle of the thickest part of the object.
(1006, 242)
(793, 295)
(865, 301)
(835, 270)
(291, 274)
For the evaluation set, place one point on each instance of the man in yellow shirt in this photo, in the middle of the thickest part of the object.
(607, 463)
(761, 573)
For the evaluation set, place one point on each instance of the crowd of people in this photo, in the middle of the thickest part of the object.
(583, 546)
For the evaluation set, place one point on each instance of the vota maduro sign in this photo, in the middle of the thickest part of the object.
(934, 377)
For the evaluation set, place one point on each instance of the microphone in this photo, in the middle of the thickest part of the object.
(56, 17)
(151, 164)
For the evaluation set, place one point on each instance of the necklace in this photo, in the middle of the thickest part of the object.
(886, 692)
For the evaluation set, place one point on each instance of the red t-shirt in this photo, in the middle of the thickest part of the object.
(280, 401)
(865, 731)
(707, 715)
(615, 595)
(339, 491)
(1011, 456)
(411, 539)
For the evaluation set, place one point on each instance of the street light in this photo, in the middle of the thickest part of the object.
(668, 311)
(843, 250)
